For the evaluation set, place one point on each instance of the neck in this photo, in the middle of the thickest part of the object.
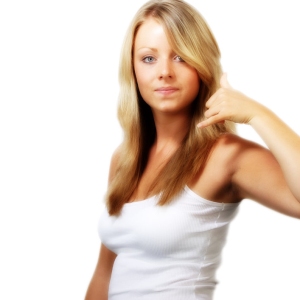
(170, 130)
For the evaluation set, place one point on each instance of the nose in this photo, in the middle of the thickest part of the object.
(165, 69)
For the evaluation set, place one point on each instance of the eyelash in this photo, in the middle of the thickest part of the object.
(149, 62)
(147, 57)
(180, 59)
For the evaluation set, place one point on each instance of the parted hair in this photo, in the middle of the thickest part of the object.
(191, 39)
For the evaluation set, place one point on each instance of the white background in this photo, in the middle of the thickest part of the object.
(58, 128)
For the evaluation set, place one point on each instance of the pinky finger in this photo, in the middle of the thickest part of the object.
(210, 121)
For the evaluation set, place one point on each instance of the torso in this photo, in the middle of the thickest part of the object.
(214, 182)
(155, 163)
(172, 251)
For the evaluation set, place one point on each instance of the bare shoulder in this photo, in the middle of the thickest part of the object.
(232, 149)
(216, 180)
(255, 174)
(242, 156)
(236, 143)
(233, 160)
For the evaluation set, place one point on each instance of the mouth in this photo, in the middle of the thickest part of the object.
(166, 90)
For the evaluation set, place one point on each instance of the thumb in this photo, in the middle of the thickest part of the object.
(224, 82)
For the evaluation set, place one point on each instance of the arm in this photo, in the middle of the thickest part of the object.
(98, 287)
(257, 175)
(284, 145)
(282, 162)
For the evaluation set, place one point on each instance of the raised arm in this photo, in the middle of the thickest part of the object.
(284, 144)
(282, 141)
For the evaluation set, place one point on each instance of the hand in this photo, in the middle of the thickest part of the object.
(229, 104)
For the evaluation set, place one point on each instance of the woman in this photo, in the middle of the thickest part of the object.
(177, 179)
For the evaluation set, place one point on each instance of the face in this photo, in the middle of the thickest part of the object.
(166, 82)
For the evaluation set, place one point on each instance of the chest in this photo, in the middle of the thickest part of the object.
(184, 226)
(213, 182)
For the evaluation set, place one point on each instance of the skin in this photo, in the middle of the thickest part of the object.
(244, 169)
(165, 81)
(157, 67)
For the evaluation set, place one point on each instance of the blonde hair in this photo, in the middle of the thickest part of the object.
(191, 39)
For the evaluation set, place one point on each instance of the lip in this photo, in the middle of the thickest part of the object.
(166, 90)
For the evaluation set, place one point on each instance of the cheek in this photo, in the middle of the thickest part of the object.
(139, 75)
(193, 82)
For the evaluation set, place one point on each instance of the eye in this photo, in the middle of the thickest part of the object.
(178, 58)
(148, 59)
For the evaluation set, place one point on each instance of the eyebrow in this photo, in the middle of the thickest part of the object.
(148, 48)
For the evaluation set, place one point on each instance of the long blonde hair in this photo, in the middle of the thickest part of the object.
(191, 39)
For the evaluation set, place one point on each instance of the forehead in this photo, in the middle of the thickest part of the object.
(150, 34)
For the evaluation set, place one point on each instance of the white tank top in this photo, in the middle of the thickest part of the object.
(166, 252)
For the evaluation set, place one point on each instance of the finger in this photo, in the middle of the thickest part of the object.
(212, 111)
(210, 121)
(224, 82)
(212, 99)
